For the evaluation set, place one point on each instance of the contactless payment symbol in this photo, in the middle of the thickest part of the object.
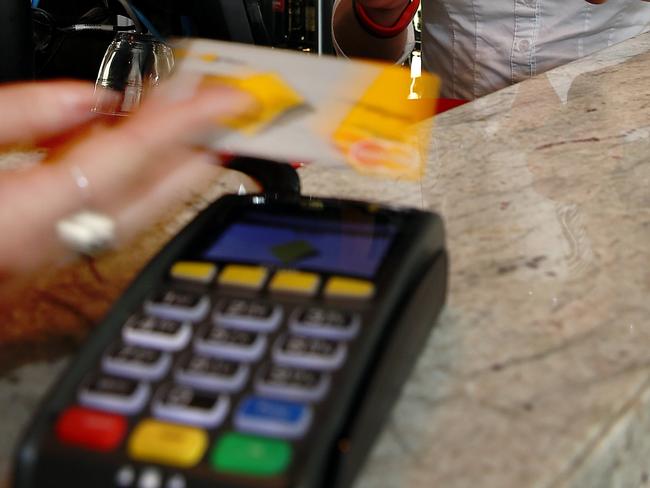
(293, 251)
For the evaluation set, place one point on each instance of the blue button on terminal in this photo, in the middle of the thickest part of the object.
(274, 418)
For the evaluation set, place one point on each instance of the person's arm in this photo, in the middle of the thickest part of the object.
(354, 41)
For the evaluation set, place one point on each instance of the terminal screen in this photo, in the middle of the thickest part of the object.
(332, 246)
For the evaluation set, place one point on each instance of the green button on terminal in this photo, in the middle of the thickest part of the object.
(250, 455)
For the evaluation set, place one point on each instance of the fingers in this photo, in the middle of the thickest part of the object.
(30, 241)
(118, 160)
(126, 165)
(43, 197)
(36, 111)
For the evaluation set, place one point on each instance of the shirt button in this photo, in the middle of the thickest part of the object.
(523, 45)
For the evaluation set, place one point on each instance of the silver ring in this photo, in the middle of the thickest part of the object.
(86, 232)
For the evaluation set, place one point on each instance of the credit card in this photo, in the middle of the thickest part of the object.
(318, 109)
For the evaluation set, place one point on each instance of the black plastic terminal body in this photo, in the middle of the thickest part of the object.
(411, 285)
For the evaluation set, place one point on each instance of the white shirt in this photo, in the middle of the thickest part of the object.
(479, 46)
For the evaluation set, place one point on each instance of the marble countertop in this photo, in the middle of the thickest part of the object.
(538, 373)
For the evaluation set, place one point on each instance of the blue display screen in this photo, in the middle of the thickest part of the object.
(353, 248)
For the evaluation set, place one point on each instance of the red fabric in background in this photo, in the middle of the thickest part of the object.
(445, 104)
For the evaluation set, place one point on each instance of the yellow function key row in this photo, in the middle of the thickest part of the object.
(170, 444)
(287, 281)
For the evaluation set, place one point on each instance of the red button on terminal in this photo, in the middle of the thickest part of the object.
(99, 431)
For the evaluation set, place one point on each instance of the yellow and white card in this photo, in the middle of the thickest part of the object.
(318, 109)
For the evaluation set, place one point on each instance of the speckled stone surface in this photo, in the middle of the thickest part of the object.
(538, 374)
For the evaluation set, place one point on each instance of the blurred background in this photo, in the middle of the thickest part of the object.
(68, 38)
(54, 38)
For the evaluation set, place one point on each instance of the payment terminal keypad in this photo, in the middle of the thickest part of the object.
(224, 366)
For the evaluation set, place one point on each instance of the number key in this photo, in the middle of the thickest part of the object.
(114, 394)
(136, 362)
(177, 403)
(325, 323)
(292, 383)
(212, 374)
(238, 345)
(164, 334)
(310, 353)
(252, 315)
(178, 305)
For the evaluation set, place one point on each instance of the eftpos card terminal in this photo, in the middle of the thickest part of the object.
(262, 348)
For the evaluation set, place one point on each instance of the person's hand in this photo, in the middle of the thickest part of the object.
(135, 169)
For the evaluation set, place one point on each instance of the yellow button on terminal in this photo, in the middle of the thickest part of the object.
(194, 271)
(341, 287)
(243, 276)
(165, 443)
(295, 282)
